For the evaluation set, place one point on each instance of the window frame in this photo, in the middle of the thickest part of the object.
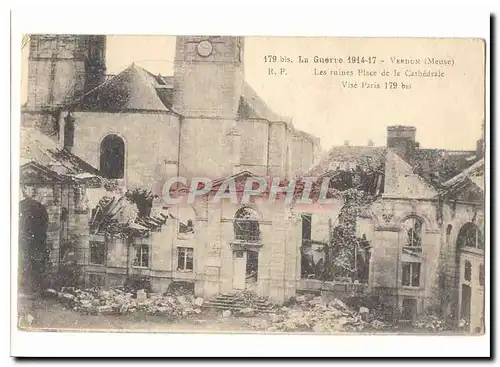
(241, 221)
(185, 251)
(103, 244)
(411, 274)
(140, 248)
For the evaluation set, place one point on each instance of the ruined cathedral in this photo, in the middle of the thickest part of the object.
(91, 143)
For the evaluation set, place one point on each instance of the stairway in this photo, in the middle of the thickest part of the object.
(235, 303)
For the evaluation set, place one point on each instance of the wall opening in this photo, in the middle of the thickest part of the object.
(33, 249)
(112, 162)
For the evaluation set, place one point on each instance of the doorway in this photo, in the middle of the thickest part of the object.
(239, 269)
(245, 269)
(33, 249)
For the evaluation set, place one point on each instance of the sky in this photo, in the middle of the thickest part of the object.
(447, 112)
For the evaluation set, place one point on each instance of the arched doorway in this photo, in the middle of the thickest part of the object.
(33, 249)
(112, 162)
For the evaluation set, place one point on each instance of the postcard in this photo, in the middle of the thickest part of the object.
(278, 185)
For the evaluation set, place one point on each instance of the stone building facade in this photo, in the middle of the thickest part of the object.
(422, 249)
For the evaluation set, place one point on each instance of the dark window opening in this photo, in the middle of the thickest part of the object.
(97, 253)
(306, 226)
(185, 258)
(142, 256)
(69, 131)
(411, 274)
(112, 157)
(252, 267)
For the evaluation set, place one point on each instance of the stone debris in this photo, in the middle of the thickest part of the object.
(226, 313)
(364, 310)
(312, 314)
(198, 302)
(431, 323)
(118, 301)
(247, 311)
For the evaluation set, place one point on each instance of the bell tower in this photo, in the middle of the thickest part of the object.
(208, 76)
(61, 68)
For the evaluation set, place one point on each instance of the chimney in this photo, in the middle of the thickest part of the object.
(401, 139)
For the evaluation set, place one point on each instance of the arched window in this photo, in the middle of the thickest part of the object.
(468, 271)
(470, 236)
(246, 225)
(413, 232)
(112, 157)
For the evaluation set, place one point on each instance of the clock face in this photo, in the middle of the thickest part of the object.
(205, 48)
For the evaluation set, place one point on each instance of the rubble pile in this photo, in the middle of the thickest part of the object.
(312, 314)
(118, 301)
(250, 301)
(430, 323)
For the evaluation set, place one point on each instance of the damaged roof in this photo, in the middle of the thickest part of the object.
(113, 214)
(134, 89)
(474, 173)
(41, 149)
(350, 157)
(439, 165)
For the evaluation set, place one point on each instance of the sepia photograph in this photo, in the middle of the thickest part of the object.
(244, 184)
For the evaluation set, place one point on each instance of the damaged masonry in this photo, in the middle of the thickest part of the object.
(260, 225)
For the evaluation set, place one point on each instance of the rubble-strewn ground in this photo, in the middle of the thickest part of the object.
(50, 314)
(119, 310)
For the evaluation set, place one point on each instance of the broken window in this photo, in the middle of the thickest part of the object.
(470, 236)
(184, 258)
(413, 230)
(186, 220)
(142, 256)
(97, 253)
(252, 267)
(411, 274)
(186, 227)
(246, 225)
(468, 271)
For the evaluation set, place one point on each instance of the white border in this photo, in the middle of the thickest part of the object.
(361, 18)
